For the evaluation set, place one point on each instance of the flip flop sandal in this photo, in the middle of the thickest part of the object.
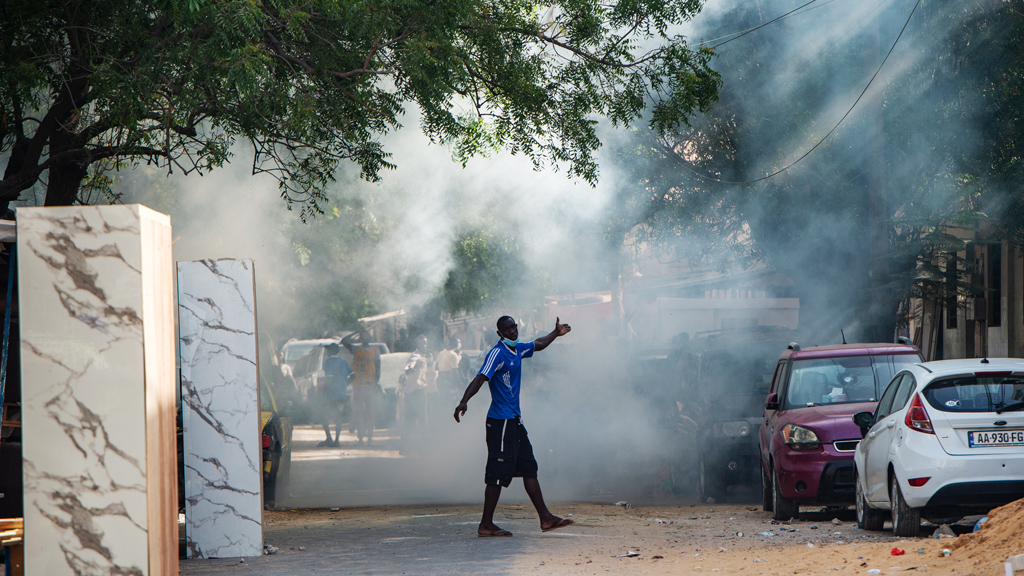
(561, 524)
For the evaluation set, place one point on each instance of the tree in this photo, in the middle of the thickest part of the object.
(950, 110)
(89, 87)
(488, 269)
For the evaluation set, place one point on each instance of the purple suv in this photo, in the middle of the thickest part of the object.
(807, 435)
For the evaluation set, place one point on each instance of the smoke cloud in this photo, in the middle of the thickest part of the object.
(595, 430)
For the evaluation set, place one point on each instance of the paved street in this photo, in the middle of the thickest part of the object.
(418, 514)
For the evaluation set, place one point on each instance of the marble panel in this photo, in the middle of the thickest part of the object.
(220, 408)
(98, 388)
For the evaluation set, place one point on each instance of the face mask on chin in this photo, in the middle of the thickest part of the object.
(510, 343)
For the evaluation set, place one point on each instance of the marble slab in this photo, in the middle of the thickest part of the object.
(98, 389)
(220, 408)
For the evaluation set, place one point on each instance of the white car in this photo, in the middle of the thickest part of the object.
(945, 441)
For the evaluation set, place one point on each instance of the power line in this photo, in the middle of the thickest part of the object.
(834, 128)
(743, 33)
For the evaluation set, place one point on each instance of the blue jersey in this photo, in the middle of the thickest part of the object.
(502, 367)
(337, 368)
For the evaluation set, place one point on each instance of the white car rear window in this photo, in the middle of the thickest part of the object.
(976, 394)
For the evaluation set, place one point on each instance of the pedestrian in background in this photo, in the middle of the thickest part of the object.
(420, 376)
(448, 372)
(337, 374)
(365, 381)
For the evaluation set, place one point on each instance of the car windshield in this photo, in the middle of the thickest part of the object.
(844, 379)
(976, 394)
(266, 398)
(749, 372)
(294, 351)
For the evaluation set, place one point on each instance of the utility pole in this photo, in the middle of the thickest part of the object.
(880, 308)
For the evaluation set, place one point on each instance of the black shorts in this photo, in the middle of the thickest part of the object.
(509, 452)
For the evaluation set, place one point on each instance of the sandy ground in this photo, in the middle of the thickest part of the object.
(609, 539)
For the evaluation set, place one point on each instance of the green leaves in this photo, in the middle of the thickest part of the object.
(315, 83)
(487, 269)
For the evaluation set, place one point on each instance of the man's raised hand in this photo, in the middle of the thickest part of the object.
(561, 329)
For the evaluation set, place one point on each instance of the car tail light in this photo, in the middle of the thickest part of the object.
(918, 482)
(266, 440)
(917, 417)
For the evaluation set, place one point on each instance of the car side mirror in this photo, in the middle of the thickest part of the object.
(864, 420)
(772, 401)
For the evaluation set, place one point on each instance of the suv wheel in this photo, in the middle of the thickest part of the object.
(867, 518)
(906, 521)
(707, 484)
(766, 491)
(782, 509)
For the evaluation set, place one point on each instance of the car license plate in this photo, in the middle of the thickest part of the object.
(989, 438)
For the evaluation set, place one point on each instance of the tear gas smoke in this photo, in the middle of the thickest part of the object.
(595, 433)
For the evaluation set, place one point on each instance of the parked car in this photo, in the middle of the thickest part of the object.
(945, 441)
(309, 375)
(727, 375)
(294, 350)
(276, 439)
(308, 369)
(807, 437)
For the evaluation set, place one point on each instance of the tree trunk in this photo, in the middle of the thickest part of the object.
(70, 164)
(65, 178)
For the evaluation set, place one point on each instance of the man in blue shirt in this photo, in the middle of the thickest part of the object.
(334, 394)
(509, 452)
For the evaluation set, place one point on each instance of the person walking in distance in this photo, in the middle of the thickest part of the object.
(365, 379)
(337, 374)
(419, 377)
(509, 452)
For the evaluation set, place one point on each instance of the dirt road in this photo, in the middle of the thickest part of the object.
(606, 539)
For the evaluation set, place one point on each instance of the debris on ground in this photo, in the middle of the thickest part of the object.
(268, 549)
(1014, 564)
(944, 531)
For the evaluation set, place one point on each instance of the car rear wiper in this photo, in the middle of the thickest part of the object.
(1010, 407)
